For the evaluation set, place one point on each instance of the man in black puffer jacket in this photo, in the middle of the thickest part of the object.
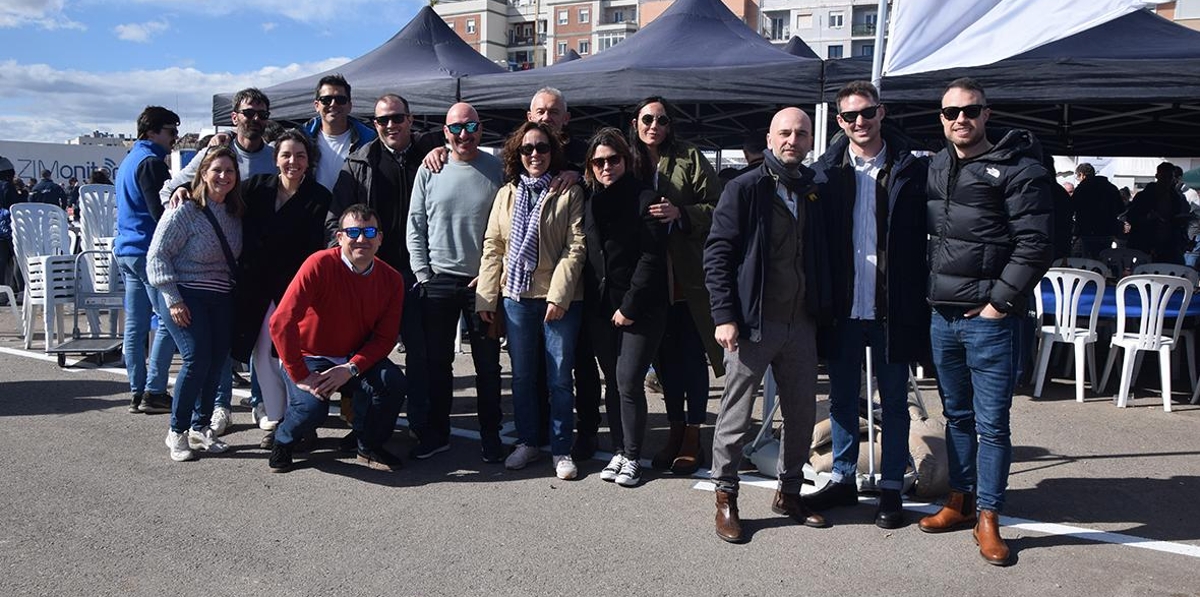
(991, 226)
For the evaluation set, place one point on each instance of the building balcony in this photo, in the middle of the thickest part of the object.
(629, 26)
(862, 29)
(520, 41)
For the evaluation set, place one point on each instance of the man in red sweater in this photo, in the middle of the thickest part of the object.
(333, 329)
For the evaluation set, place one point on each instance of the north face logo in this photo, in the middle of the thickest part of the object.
(993, 172)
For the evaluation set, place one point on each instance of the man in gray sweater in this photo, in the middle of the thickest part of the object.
(446, 222)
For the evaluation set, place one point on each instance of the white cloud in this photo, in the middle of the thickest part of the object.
(268, 27)
(44, 14)
(304, 11)
(42, 103)
(141, 32)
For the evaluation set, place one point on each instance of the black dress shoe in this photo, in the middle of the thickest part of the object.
(832, 495)
(890, 514)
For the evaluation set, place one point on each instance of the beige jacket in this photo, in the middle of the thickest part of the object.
(560, 250)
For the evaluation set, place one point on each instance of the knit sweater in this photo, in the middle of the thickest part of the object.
(331, 311)
(186, 250)
(449, 214)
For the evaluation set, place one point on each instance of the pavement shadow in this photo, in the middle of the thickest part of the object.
(59, 396)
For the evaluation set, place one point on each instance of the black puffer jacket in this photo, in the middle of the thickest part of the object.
(991, 221)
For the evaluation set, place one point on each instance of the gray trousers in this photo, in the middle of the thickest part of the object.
(791, 351)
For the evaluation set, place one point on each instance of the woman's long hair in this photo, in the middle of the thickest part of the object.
(611, 138)
(199, 195)
(643, 166)
(511, 154)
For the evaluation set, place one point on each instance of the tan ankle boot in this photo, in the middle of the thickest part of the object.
(662, 461)
(987, 535)
(729, 525)
(690, 454)
(957, 513)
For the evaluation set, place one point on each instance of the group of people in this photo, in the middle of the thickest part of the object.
(624, 250)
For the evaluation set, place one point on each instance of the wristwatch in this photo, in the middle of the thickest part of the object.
(353, 368)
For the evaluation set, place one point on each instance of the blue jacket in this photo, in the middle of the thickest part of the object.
(138, 207)
(360, 134)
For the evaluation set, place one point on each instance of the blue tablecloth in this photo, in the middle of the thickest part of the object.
(1108, 304)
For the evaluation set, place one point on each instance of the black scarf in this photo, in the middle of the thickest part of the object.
(798, 180)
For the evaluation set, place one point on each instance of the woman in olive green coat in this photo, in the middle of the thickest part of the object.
(689, 188)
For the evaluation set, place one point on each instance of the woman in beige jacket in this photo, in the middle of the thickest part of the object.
(533, 255)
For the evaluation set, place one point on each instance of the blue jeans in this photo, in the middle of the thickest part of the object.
(976, 361)
(141, 301)
(204, 346)
(378, 394)
(845, 383)
(525, 319)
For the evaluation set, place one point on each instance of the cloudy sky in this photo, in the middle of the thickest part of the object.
(68, 67)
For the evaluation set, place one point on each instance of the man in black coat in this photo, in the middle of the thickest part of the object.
(1097, 206)
(875, 191)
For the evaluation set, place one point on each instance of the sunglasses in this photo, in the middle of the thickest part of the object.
(611, 161)
(663, 119)
(471, 126)
(340, 100)
(852, 115)
(972, 111)
(529, 148)
(387, 119)
(251, 114)
(354, 233)
(171, 129)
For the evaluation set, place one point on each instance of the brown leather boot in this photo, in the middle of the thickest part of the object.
(729, 526)
(957, 513)
(662, 461)
(690, 455)
(792, 506)
(987, 536)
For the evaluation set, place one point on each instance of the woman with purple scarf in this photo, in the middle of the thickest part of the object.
(533, 255)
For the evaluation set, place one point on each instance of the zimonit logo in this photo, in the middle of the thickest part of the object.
(31, 168)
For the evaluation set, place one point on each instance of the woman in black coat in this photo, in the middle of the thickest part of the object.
(284, 223)
(625, 292)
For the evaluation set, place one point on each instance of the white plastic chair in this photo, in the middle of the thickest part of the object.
(1068, 285)
(1087, 264)
(1187, 335)
(42, 246)
(1120, 260)
(1155, 293)
(98, 229)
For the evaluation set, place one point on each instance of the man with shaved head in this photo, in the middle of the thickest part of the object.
(446, 222)
(768, 232)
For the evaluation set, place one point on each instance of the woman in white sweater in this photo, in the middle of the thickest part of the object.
(192, 261)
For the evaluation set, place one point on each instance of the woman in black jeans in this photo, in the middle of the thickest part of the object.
(625, 292)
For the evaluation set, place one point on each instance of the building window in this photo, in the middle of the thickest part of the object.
(585, 15)
(452, 24)
(607, 40)
(835, 51)
(804, 21)
(470, 25)
(871, 18)
(618, 16)
(778, 30)
(585, 47)
(835, 20)
(562, 48)
(563, 17)
(867, 50)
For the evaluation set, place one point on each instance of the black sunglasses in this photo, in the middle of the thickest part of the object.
(611, 161)
(387, 119)
(251, 114)
(663, 119)
(355, 232)
(529, 148)
(972, 111)
(471, 126)
(867, 113)
(340, 100)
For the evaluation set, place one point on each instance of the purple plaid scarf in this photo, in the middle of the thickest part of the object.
(522, 255)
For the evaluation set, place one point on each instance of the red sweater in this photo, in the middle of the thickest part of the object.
(331, 311)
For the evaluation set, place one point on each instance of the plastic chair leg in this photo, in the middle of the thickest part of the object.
(1043, 363)
(1112, 358)
(1164, 370)
(1127, 368)
(1190, 341)
(1079, 370)
(1091, 365)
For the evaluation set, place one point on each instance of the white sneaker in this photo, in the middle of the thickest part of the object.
(267, 424)
(257, 413)
(630, 475)
(612, 469)
(564, 467)
(522, 456)
(178, 443)
(205, 440)
(221, 419)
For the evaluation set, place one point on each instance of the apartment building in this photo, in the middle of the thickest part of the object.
(832, 28)
(1184, 12)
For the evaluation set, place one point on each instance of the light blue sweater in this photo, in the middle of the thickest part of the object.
(449, 214)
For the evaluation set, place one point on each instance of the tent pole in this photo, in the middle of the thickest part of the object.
(877, 59)
(820, 128)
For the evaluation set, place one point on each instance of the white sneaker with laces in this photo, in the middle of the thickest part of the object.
(221, 419)
(257, 413)
(178, 444)
(631, 473)
(612, 469)
(205, 440)
(564, 467)
(522, 456)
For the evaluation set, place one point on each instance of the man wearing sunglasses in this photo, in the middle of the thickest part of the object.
(380, 175)
(334, 328)
(991, 228)
(876, 198)
(335, 132)
(446, 222)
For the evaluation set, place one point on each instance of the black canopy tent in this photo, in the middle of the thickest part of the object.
(797, 47)
(423, 63)
(723, 77)
(1127, 87)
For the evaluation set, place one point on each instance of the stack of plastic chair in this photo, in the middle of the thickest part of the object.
(98, 228)
(1186, 335)
(1155, 294)
(1068, 285)
(43, 253)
